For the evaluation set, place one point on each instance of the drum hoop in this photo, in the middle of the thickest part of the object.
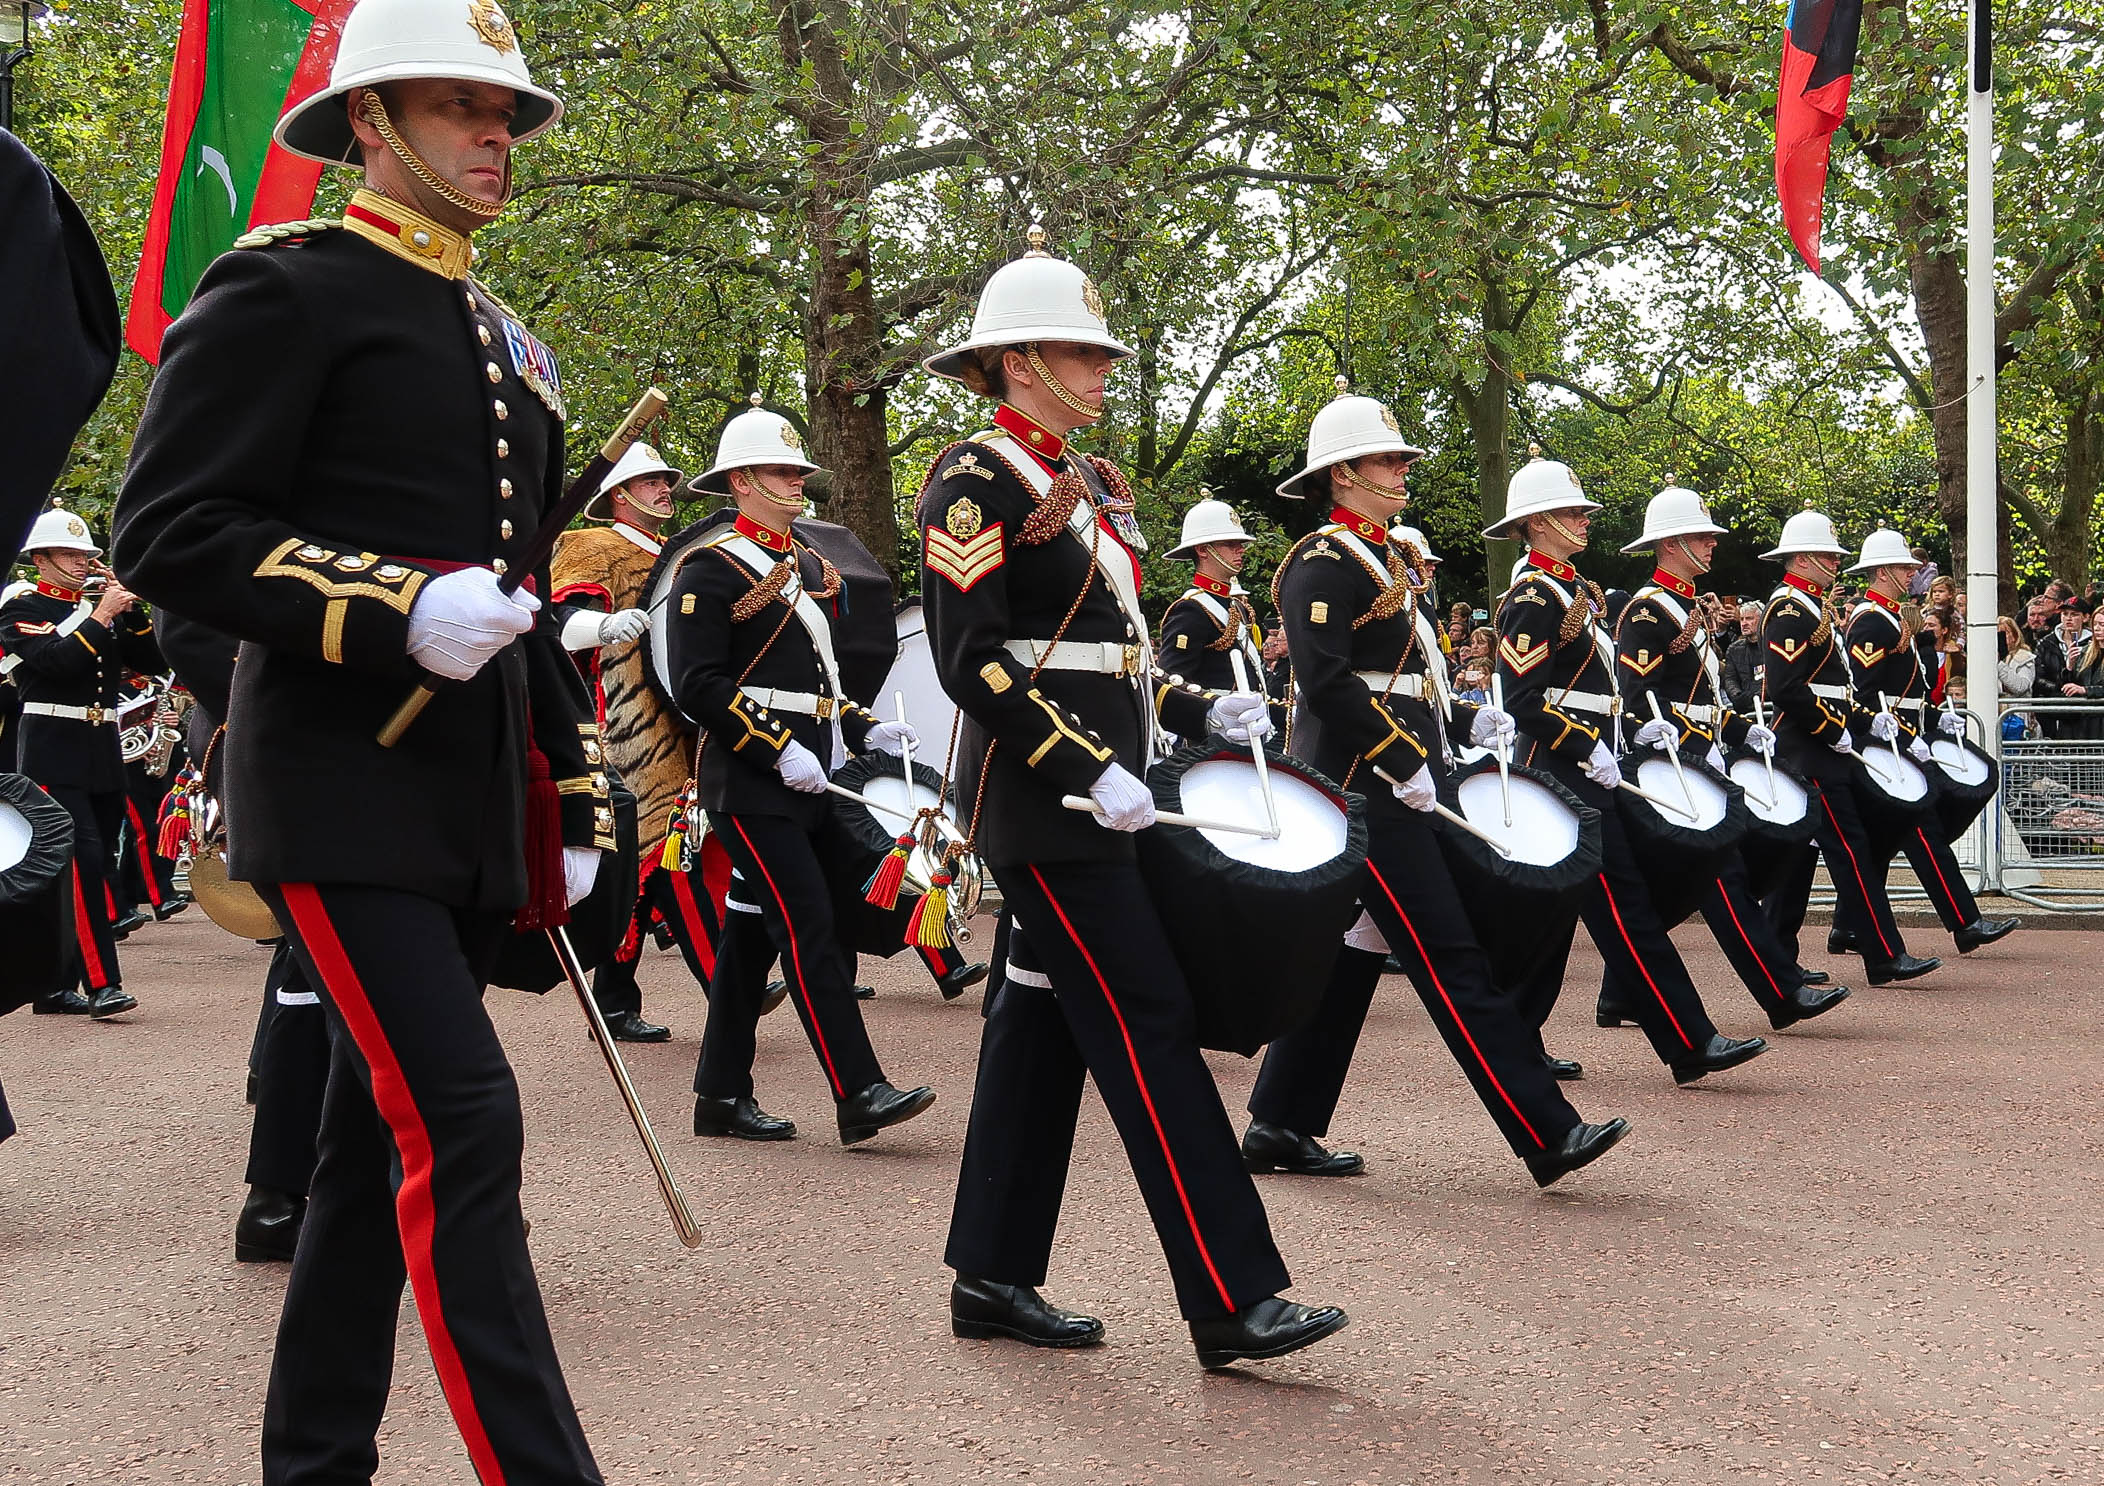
(1581, 864)
(1166, 780)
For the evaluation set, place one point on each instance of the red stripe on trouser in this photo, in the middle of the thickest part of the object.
(1630, 944)
(1854, 866)
(699, 939)
(1452, 1010)
(1132, 1057)
(796, 963)
(1747, 940)
(142, 848)
(1949, 897)
(414, 1211)
(109, 901)
(84, 931)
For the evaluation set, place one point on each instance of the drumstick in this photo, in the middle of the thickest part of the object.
(1679, 770)
(866, 802)
(1760, 715)
(1502, 750)
(1256, 751)
(1457, 818)
(1885, 707)
(1169, 818)
(1661, 803)
(898, 702)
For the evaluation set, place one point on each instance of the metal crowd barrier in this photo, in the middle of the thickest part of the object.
(2048, 833)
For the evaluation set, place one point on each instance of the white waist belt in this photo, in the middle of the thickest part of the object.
(1696, 712)
(1599, 703)
(1100, 657)
(1910, 704)
(1830, 693)
(1412, 685)
(96, 715)
(803, 703)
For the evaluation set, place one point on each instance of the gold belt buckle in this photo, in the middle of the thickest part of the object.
(1129, 661)
(825, 709)
(97, 716)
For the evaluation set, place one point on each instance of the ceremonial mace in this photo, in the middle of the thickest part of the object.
(647, 410)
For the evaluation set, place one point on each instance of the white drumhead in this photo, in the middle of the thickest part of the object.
(1897, 775)
(1655, 776)
(1785, 807)
(928, 706)
(1312, 827)
(890, 791)
(1958, 761)
(1544, 830)
(15, 837)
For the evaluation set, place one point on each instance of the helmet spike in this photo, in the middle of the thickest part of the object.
(1036, 238)
(1344, 385)
(755, 399)
(1534, 451)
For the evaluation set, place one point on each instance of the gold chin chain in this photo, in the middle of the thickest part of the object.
(1563, 531)
(1353, 477)
(445, 190)
(1056, 387)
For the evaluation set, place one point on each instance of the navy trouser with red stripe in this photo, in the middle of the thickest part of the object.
(291, 1062)
(1741, 928)
(97, 818)
(784, 874)
(418, 1175)
(1935, 866)
(744, 954)
(1858, 872)
(1417, 908)
(681, 900)
(147, 876)
(1117, 1011)
(1617, 910)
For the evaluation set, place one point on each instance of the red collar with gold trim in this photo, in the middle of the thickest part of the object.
(1550, 565)
(1212, 585)
(57, 591)
(1889, 605)
(408, 234)
(1359, 526)
(1803, 585)
(1673, 584)
(766, 536)
(1033, 435)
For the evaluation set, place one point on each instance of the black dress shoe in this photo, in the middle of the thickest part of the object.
(1270, 1328)
(132, 920)
(864, 993)
(981, 1310)
(69, 1002)
(1840, 942)
(739, 1117)
(1269, 1148)
(661, 934)
(864, 1113)
(1580, 1145)
(1904, 967)
(777, 992)
(1984, 931)
(110, 1001)
(1802, 1003)
(954, 983)
(1565, 1070)
(1812, 977)
(172, 907)
(268, 1229)
(1716, 1055)
(1612, 1013)
(629, 1026)
(1392, 966)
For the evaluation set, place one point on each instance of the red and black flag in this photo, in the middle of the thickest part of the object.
(1819, 62)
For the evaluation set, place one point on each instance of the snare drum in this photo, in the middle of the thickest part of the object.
(1779, 826)
(1897, 795)
(1519, 905)
(1679, 851)
(1255, 924)
(864, 837)
(1970, 780)
(36, 906)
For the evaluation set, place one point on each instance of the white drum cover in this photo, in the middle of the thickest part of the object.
(1313, 829)
(890, 790)
(1656, 776)
(1785, 807)
(928, 706)
(1958, 761)
(1544, 830)
(1898, 776)
(14, 837)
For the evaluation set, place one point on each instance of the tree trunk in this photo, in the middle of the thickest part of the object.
(1488, 408)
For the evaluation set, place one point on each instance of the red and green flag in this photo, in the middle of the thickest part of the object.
(238, 65)
(1819, 64)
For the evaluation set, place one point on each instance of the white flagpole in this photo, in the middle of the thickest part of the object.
(1982, 502)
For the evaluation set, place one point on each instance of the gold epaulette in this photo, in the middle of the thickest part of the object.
(277, 232)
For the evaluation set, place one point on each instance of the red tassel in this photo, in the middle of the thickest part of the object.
(545, 891)
(883, 886)
(175, 832)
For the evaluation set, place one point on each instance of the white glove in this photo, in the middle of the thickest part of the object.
(461, 619)
(800, 769)
(580, 871)
(1659, 734)
(1240, 717)
(1418, 791)
(1492, 728)
(588, 629)
(1601, 767)
(1760, 738)
(1884, 727)
(1128, 805)
(1920, 749)
(1844, 743)
(889, 736)
(1952, 723)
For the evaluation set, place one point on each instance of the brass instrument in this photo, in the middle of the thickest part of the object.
(152, 741)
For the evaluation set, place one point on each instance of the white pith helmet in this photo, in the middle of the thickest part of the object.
(1885, 548)
(754, 437)
(59, 530)
(1347, 428)
(1418, 540)
(1034, 298)
(1675, 511)
(1807, 531)
(1539, 485)
(1209, 521)
(640, 459)
(399, 40)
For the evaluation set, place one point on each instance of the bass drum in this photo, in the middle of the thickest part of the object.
(597, 925)
(864, 837)
(1522, 900)
(1680, 850)
(1255, 924)
(1779, 826)
(1970, 779)
(36, 907)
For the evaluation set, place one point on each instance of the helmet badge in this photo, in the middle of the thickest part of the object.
(490, 24)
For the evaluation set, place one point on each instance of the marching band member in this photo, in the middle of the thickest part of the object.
(1666, 655)
(350, 438)
(1885, 661)
(1804, 681)
(71, 649)
(1212, 618)
(1369, 667)
(752, 658)
(1557, 659)
(1031, 578)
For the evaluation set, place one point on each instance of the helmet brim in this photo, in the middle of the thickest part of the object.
(1650, 540)
(950, 364)
(319, 128)
(1295, 487)
(717, 481)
